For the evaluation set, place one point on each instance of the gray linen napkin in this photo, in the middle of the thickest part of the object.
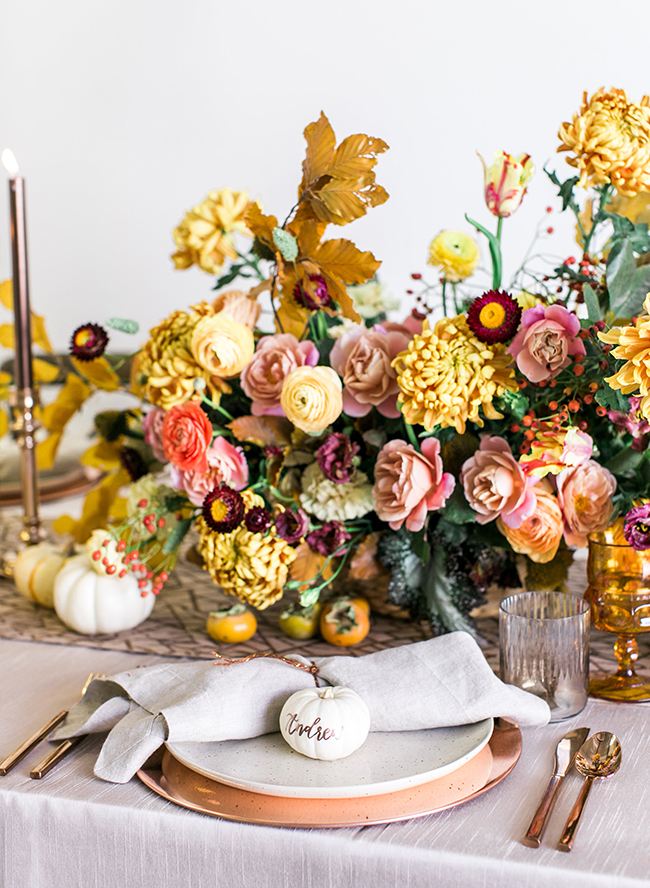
(436, 683)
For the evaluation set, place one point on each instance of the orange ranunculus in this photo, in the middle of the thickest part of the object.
(312, 398)
(538, 536)
(186, 435)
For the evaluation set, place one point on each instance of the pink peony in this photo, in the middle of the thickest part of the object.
(495, 484)
(275, 358)
(152, 425)
(226, 465)
(584, 493)
(547, 338)
(362, 358)
(409, 484)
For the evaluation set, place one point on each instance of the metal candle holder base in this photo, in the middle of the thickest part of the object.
(24, 427)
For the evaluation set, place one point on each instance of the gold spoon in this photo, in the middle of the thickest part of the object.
(599, 757)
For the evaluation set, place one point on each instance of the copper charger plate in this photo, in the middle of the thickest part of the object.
(182, 786)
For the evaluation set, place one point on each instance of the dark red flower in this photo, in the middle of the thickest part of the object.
(88, 342)
(328, 539)
(133, 462)
(292, 525)
(223, 509)
(335, 458)
(494, 317)
(313, 294)
(637, 527)
(257, 519)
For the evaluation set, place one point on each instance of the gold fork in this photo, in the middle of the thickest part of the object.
(61, 750)
(18, 754)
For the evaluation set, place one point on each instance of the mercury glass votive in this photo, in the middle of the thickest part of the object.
(544, 648)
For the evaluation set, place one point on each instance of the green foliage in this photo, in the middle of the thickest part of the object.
(620, 275)
(612, 399)
(626, 460)
(286, 244)
(565, 190)
(397, 555)
(177, 535)
(111, 424)
(457, 510)
(591, 301)
(514, 403)
(124, 325)
(624, 229)
(495, 252)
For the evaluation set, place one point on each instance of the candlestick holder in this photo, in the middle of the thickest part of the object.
(24, 427)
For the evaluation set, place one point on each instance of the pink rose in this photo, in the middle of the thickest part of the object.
(152, 425)
(275, 358)
(495, 484)
(584, 493)
(362, 358)
(239, 306)
(547, 338)
(409, 484)
(226, 465)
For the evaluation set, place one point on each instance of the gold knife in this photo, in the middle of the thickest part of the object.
(565, 753)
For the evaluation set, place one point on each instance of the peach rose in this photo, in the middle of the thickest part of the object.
(584, 494)
(363, 359)
(495, 484)
(186, 436)
(239, 306)
(538, 536)
(311, 398)
(222, 346)
(275, 358)
(409, 484)
(547, 338)
(226, 465)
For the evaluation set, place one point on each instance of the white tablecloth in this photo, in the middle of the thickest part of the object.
(71, 830)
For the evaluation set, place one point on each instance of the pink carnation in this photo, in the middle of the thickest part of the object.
(495, 484)
(226, 465)
(362, 358)
(275, 358)
(546, 340)
(584, 493)
(152, 425)
(409, 484)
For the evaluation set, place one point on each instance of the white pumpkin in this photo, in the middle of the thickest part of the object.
(325, 723)
(35, 570)
(92, 603)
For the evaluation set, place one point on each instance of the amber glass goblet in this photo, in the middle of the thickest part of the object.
(619, 597)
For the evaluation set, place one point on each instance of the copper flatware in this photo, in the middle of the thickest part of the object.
(565, 753)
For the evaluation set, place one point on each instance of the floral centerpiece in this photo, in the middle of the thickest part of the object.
(479, 439)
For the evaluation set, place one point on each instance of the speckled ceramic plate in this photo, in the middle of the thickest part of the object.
(181, 786)
(388, 762)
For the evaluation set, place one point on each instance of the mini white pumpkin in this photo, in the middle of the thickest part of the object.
(325, 723)
(92, 603)
(35, 570)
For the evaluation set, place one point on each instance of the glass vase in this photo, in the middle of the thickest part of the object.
(619, 596)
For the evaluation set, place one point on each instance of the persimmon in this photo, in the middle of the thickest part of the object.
(345, 621)
(230, 625)
(300, 622)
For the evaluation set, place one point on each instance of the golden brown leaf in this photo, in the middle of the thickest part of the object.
(7, 339)
(355, 156)
(104, 455)
(307, 566)
(96, 508)
(365, 564)
(69, 400)
(99, 372)
(265, 431)
(39, 334)
(46, 450)
(261, 226)
(340, 258)
(7, 294)
(4, 422)
(44, 371)
(321, 143)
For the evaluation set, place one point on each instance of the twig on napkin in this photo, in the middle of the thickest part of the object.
(226, 661)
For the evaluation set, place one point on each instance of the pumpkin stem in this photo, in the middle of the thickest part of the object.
(326, 693)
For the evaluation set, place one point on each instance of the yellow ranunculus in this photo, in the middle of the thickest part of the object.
(312, 398)
(455, 253)
(222, 346)
(203, 237)
(505, 182)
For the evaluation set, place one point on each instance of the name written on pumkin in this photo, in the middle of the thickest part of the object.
(315, 731)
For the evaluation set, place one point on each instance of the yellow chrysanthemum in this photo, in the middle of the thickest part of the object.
(455, 253)
(166, 368)
(204, 236)
(447, 374)
(611, 141)
(632, 346)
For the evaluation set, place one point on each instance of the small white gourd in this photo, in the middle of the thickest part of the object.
(325, 723)
(35, 570)
(94, 603)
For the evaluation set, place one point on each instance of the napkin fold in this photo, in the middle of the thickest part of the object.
(430, 684)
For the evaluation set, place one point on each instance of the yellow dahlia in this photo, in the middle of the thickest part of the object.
(166, 368)
(204, 236)
(610, 138)
(251, 566)
(455, 253)
(632, 346)
(446, 374)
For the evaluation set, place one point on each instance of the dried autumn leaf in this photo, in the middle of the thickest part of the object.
(69, 400)
(340, 258)
(321, 143)
(265, 431)
(44, 371)
(39, 334)
(7, 294)
(4, 422)
(7, 339)
(104, 455)
(307, 566)
(96, 508)
(5, 381)
(99, 372)
(365, 564)
(261, 226)
(46, 450)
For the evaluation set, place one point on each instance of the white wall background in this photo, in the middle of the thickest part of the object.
(125, 113)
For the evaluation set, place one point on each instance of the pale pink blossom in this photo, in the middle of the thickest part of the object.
(152, 426)
(545, 342)
(495, 485)
(239, 306)
(275, 358)
(584, 493)
(409, 484)
(226, 465)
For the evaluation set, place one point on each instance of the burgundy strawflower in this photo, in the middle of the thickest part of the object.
(335, 458)
(133, 462)
(272, 451)
(494, 317)
(633, 423)
(312, 295)
(292, 525)
(328, 539)
(637, 527)
(88, 342)
(223, 509)
(257, 519)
